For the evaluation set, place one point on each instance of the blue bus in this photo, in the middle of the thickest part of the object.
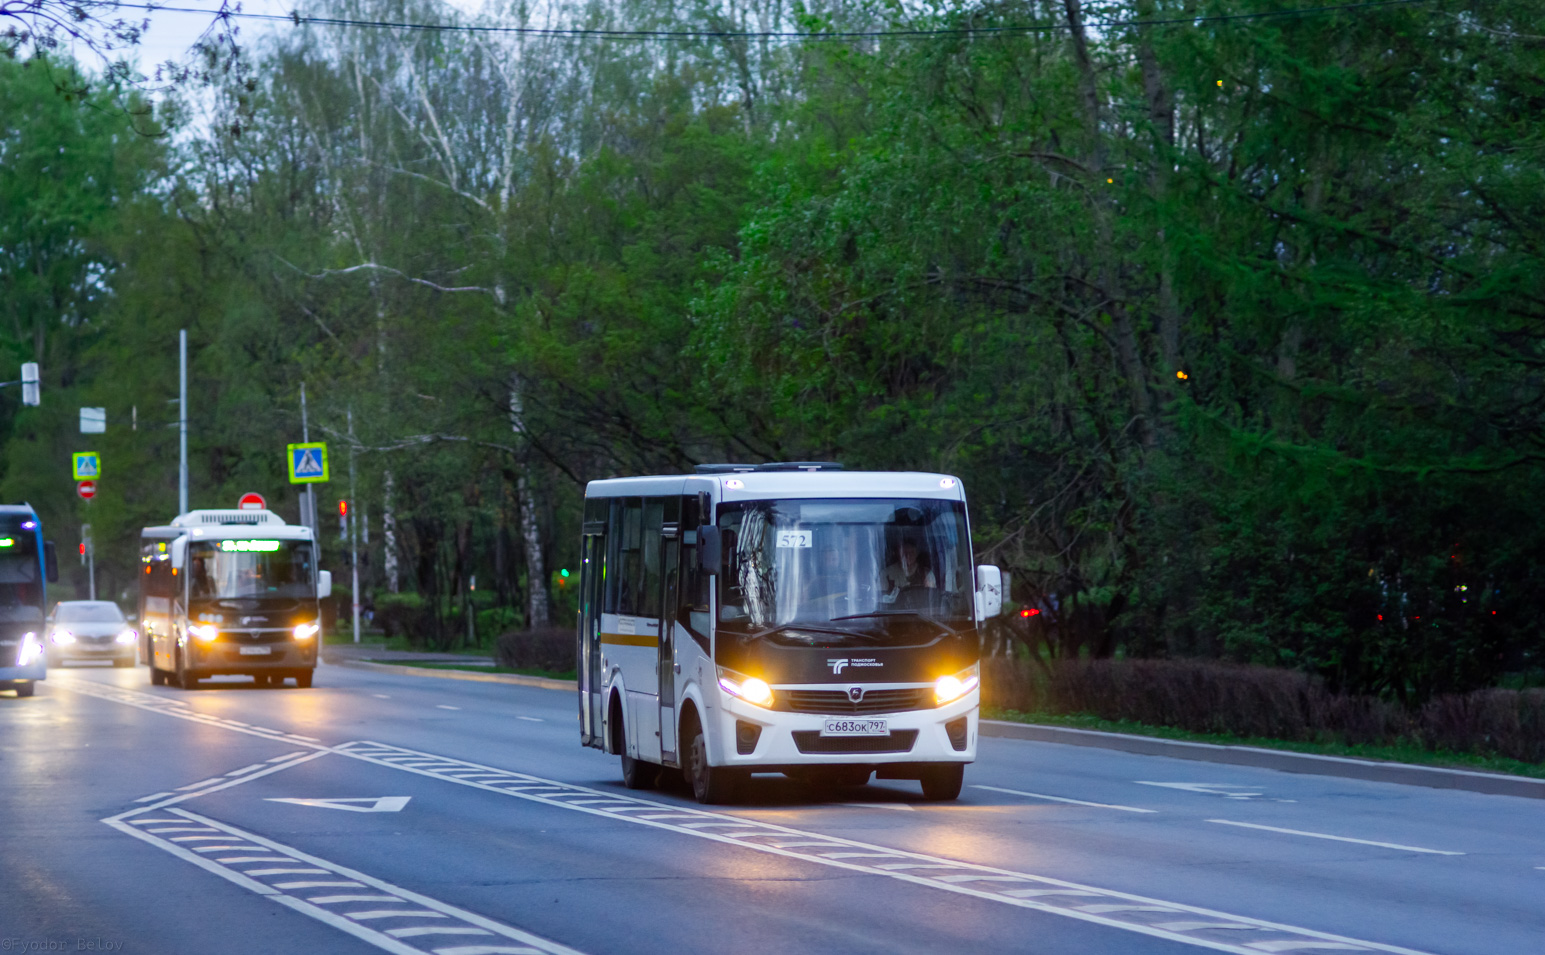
(27, 564)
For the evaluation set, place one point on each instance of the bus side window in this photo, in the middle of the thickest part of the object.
(630, 553)
(611, 598)
(648, 601)
(692, 607)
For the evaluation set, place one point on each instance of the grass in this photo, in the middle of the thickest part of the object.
(378, 641)
(1403, 753)
(521, 671)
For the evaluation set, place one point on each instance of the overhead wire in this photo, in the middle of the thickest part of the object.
(641, 34)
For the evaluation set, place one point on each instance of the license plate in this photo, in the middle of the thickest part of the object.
(855, 728)
(255, 651)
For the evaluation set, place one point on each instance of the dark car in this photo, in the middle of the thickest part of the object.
(90, 630)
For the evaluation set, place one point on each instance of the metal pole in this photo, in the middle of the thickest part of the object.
(91, 568)
(353, 530)
(308, 515)
(182, 423)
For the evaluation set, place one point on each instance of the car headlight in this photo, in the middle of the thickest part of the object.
(947, 689)
(752, 689)
(205, 632)
(63, 638)
(31, 649)
(306, 631)
(128, 636)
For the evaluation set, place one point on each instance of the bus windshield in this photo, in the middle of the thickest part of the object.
(861, 571)
(21, 584)
(251, 568)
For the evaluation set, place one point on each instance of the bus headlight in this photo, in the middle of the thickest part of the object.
(752, 689)
(31, 649)
(63, 638)
(947, 689)
(128, 636)
(306, 631)
(204, 632)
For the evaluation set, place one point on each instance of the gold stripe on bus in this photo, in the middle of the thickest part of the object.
(631, 639)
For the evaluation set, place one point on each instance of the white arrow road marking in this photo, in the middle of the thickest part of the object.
(1322, 835)
(438, 922)
(1121, 910)
(361, 804)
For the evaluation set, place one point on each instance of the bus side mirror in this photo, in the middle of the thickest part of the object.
(710, 549)
(50, 562)
(324, 584)
(989, 592)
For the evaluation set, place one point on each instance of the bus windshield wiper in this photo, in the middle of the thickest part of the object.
(900, 613)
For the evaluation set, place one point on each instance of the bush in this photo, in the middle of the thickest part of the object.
(406, 615)
(551, 648)
(1236, 700)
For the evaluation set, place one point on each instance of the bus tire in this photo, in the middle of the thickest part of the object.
(26, 688)
(639, 773)
(157, 676)
(303, 679)
(942, 781)
(710, 784)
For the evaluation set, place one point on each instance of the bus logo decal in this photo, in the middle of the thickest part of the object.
(855, 693)
(837, 665)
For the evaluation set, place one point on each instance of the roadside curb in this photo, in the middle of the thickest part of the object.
(1407, 774)
(512, 678)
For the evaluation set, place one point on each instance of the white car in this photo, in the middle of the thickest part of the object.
(90, 630)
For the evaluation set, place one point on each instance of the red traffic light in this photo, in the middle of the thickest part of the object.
(343, 508)
(1028, 611)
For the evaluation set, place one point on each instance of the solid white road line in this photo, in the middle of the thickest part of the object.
(1322, 835)
(1075, 802)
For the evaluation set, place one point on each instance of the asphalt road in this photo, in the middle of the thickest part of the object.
(384, 812)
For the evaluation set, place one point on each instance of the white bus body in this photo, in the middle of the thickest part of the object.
(785, 618)
(230, 592)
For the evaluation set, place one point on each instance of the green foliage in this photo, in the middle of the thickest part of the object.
(1231, 327)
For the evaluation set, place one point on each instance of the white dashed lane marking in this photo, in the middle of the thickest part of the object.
(387, 916)
(1204, 928)
(1323, 835)
(1075, 802)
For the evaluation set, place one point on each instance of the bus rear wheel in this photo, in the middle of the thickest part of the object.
(26, 688)
(638, 773)
(942, 781)
(710, 784)
(157, 676)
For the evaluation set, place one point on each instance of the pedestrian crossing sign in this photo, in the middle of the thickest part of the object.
(87, 466)
(308, 463)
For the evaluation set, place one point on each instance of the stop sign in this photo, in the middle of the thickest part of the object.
(251, 501)
(86, 489)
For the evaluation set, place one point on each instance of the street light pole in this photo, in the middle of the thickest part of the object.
(182, 423)
(353, 530)
(308, 515)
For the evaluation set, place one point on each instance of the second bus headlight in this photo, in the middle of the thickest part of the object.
(749, 688)
(306, 631)
(204, 632)
(948, 689)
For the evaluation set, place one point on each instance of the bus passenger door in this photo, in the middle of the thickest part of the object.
(670, 554)
(588, 666)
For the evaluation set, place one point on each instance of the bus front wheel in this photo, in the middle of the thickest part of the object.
(303, 680)
(710, 784)
(942, 781)
(25, 689)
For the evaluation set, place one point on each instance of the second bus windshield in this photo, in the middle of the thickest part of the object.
(848, 564)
